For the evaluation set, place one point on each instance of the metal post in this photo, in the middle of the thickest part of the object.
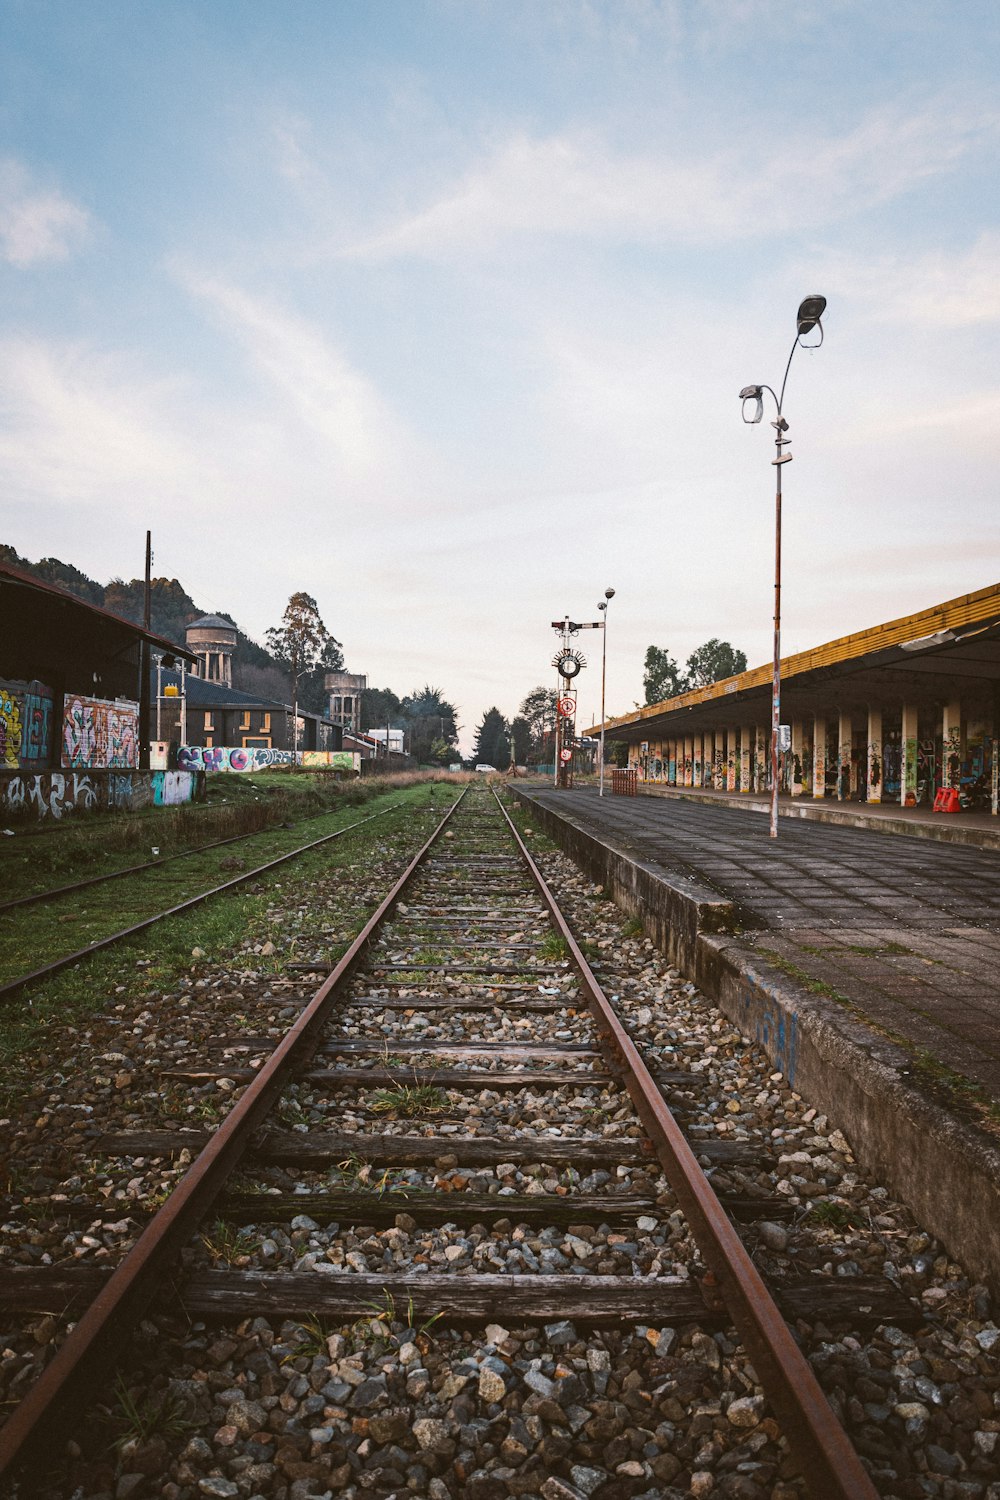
(604, 663)
(184, 702)
(776, 677)
(144, 661)
(159, 693)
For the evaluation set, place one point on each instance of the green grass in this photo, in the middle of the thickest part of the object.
(409, 1100)
(228, 1245)
(554, 946)
(136, 1420)
(220, 928)
(832, 1215)
(73, 922)
(815, 986)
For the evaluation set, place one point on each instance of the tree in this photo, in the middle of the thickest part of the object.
(713, 661)
(300, 643)
(379, 707)
(662, 678)
(430, 718)
(538, 710)
(520, 739)
(492, 747)
(707, 664)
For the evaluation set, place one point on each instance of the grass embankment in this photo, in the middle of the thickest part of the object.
(43, 855)
(225, 928)
(36, 935)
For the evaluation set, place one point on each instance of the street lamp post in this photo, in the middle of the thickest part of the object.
(609, 594)
(808, 317)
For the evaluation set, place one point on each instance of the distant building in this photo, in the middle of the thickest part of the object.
(196, 712)
(213, 641)
(395, 739)
(345, 689)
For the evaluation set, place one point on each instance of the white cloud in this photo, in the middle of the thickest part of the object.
(81, 426)
(937, 290)
(332, 399)
(576, 183)
(36, 223)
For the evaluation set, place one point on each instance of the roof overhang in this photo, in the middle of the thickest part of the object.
(938, 653)
(17, 578)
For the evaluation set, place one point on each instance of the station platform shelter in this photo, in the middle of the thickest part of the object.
(892, 714)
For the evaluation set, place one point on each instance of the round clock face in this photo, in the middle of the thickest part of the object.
(569, 666)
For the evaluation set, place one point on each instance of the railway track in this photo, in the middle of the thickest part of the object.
(466, 984)
(12, 988)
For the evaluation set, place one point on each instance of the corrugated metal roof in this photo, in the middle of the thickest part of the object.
(20, 579)
(968, 609)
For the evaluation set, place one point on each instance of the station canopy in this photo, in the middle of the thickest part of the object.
(949, 651)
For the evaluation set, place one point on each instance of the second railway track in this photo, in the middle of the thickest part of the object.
(458, 1130)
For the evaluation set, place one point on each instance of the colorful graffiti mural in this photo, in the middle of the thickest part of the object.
(25, 724)
(236, 758)
(98, 734)
(230, 758)
(55, 794)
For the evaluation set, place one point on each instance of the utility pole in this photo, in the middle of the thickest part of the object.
(144, 661)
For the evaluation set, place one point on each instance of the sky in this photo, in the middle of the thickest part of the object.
(438, 310)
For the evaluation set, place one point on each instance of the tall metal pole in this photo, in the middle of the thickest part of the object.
(776, 676)
(604, 664)
(144, 661)
(807, 318)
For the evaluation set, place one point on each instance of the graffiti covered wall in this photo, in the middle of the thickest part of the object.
(230, 758)
(98, 734)
(55, 794)
(235, 758)
(25, 724)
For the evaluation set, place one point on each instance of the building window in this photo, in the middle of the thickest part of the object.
(266, 727)
(208, 719)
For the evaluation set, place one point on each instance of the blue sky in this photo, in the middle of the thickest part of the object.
(439, 311)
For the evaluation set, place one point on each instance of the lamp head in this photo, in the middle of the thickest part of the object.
(811, 309)
(603, 604)
(752, 393)
(609, 593)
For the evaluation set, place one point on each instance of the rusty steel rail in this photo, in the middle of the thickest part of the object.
(827, 1459)
(82, 1360)
(55, 891)
(15, 986)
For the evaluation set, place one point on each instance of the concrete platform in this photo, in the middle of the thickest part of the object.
(867, 965)
(979, 829)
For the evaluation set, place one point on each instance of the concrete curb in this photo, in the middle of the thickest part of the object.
(946, 1170)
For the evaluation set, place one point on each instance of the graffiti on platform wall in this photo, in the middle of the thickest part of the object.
(171, 788)
(99, 734)
(48, 794)
(25, 724)
(230, 758)
(56, 794)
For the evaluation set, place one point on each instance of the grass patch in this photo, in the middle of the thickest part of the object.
(554, 946)
(832, 1215)
(814, 986)
(409, 1100)
(156, 962)
(227, 1245)
(136, 1420)
(70, 923)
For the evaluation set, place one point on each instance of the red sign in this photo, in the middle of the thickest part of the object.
(565, 755)
(567, 707)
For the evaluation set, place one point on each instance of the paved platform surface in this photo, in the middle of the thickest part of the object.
(967, 827)
(903, 931)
